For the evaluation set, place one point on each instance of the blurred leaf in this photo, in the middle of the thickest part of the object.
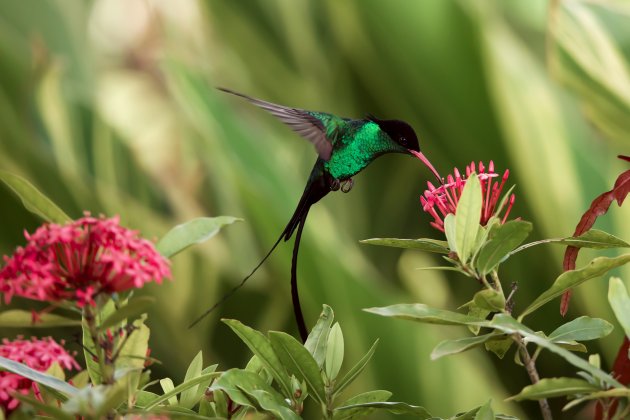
(130, 311)
(620, 303)
(423, 244)
(366, 397)
(33, 199)
(356, 370)
(168, 386)
(467, 218)
(503, 239)
(499, 347)
(181, 387)
(317, 340)
(261, 347)
(489, 299)
(485, 412)
(555, 387)
(55, 412)
(299, 362)
(193, 232)
(581, 329)
(458, 345)
(39, 377)
(573, 278)
(134, 350)
(423, 313)
(392, 407)
(334, 352)
(18, 318)
(190, 397)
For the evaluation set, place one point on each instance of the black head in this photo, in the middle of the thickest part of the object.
(399, 131)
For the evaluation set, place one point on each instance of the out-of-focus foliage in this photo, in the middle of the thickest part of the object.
(109, 106)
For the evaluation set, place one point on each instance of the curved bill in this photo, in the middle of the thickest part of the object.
(424, 160)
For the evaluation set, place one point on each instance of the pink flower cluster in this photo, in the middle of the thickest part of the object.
(440, 201)
(79, 260)
(38, 354)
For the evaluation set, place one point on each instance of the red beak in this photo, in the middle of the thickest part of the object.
(424, 160)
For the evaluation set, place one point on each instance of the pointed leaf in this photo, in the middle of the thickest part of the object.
(193, 232)
(362, 412)
(489, 299)
(392, 407)
(271, 402)
(355, 371)
(334, 352)
(299, 362)
(458, 345)
(499, 347)
(190, 397)
(504, 238)
(555, 387)
(423, 313)
(583, 328)
(33, 199)
(596, 239)
(467, 218)
(18, 318)
(131, 311)
(317, 340)
(620, 303)
(261, 347)
(485, 412)
(423, 244)
(181, 387)
(572, 278)
(168, 386)
(39, 377)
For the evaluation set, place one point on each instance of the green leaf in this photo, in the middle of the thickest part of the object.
(509, 325)
(33, 199)
(423, 244)
(503, 239)
(423, 313)
(248, 389)
(168, 386)
(593, 238)
(499, 347)
(53, 411)
(193, 232)
(583, 328)
(458, 345)
(620, 303)
(261, 347)
(573, 278)
(39, 377)
(181, 387)
(489, 299)
(467, 218)
(356, 370)
(485, 412)
(450, 232)
(299, 362)
(362, 412)
(133, 353)
(317, 340)
(132, 310)
(18, 318)
(190, 397)
(392, 407)
(334, 352)
(555, 387)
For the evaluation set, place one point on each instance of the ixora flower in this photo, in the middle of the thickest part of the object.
(80, 260)
(440, 201)
(38, 354)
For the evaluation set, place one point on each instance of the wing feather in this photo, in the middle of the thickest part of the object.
(298, 120)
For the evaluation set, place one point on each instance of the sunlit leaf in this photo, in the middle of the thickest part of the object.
(190, 396)
(193, 232)
(467, 218)
(334, 352)
(423, 313)
(620, 303)
(485, 412)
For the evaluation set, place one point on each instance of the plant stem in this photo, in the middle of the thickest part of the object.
(90, 322)
(530, 366)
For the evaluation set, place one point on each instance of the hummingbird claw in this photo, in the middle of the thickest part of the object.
(347, 185)
(334, 185)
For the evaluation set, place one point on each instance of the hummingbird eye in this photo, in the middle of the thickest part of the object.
(403, 141)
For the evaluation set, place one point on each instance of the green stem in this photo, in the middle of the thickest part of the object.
(90, 320)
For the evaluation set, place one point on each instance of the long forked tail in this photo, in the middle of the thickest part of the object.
(238, 286)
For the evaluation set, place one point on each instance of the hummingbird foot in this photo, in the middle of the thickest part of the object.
(347, 185)
(334, 184)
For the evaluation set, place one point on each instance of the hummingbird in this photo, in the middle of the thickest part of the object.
(344, 148)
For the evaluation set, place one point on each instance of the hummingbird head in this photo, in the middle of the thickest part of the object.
(406, 140)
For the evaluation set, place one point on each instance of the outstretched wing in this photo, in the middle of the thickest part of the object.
(298, 120)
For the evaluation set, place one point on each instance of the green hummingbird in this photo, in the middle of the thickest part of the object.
(345, 147)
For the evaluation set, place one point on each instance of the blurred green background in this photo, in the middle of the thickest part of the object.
(109, 107)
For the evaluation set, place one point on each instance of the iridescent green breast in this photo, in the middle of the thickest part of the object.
(355, 145)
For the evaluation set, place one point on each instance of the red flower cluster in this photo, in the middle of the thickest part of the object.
(440, 201)
(79, 260)
(38, 354)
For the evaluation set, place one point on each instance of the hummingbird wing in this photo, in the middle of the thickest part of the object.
(298, 120)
